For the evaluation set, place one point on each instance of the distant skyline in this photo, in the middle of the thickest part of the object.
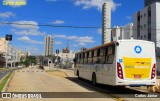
(62, 13)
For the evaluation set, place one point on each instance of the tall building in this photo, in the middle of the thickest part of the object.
(147, 24)
(106, 14)
(149, 2)
(48, 45)
(28, 53)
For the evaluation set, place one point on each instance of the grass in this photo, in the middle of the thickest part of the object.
(3, 68)
(4, 81)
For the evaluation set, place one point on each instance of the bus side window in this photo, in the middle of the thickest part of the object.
(98, 57)
(110, 54)
(89, 57)
(86, 58)
(82, 58)
(79, 58)
(95, 56)
(102, 55)
(106, 56)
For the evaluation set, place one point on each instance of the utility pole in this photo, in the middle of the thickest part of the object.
(8, 38)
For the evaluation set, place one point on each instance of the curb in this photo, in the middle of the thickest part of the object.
(7, 83)
(3, 78)
(1, 81)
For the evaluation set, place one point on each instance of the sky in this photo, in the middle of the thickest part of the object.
(61, 13)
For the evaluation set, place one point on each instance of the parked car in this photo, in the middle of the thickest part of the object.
(20, 66)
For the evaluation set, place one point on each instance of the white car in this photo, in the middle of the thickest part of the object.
(20, 66)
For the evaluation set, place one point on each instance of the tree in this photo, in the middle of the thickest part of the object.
(30, 60)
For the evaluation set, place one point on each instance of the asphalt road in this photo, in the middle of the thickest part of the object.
(4, 72)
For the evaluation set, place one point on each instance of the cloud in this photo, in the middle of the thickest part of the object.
(29, 32)
(71, 37)
(58, 43)
(60, 36)
(85, 39)
(65, 37)
(31, 48)
(6, 15)
(81, 41)
(3, 23)
(75, 45)
(82, 44)
(28, 40)
(99, 31)
(96, 4)
(128, 17)
(79, 44)
(25, 24)
(58, 22)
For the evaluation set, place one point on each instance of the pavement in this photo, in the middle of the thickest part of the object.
(37, 80)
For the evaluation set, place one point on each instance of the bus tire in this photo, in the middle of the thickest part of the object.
(94, 80)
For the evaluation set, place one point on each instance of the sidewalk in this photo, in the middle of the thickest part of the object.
(37, 80)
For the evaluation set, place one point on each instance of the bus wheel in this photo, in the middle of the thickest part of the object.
(94, 80)
(78, 74)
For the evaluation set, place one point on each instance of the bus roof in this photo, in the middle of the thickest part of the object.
(134, 40)
(111, 43)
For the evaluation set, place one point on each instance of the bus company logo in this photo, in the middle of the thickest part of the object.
(120, 61)
(138, 49)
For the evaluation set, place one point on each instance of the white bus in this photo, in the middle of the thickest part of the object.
(120, 63)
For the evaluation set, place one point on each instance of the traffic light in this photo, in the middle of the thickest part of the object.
(8, 37)
(57, 51)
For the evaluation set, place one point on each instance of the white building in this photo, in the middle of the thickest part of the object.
(48, 45)
(28, 53)
(122, 33)
(148, 2)
(147, 24)
(9, 52)
(21, 55)
(106, 14)
(12, 56)
(117, 33)
(128, 31)
(67, 59)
